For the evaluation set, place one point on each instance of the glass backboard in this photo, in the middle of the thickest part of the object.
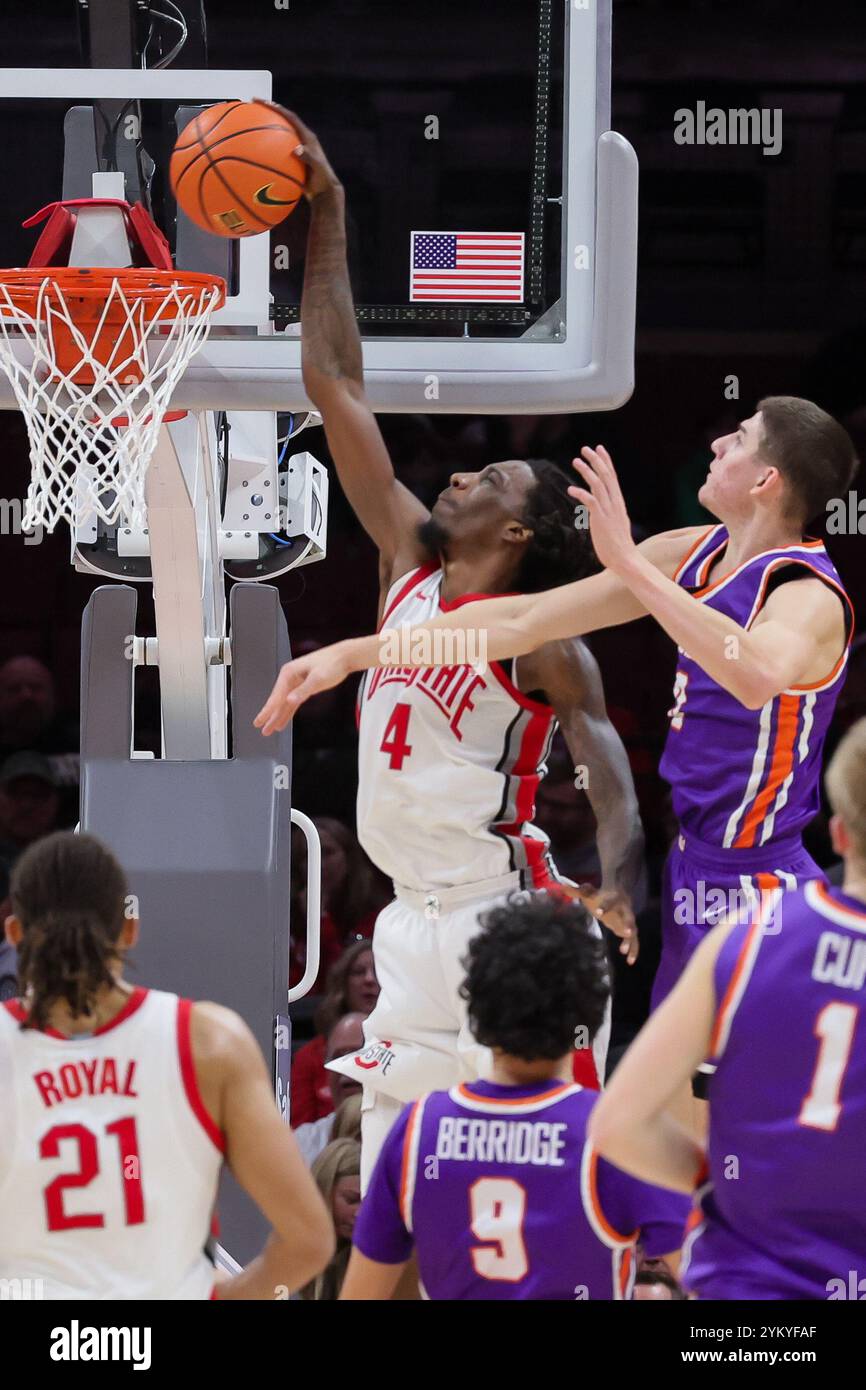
(467, 139)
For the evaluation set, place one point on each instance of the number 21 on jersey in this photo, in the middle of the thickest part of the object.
(79, 1142)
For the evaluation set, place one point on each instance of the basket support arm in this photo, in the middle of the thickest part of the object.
(180, 596)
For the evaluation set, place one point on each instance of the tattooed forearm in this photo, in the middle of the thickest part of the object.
(330, 341)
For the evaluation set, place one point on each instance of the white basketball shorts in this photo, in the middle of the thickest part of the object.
(417, 1038)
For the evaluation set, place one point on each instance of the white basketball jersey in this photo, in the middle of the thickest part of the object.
(109, 1161)
(450, 759)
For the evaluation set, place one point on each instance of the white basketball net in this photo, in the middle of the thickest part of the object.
(91, 441)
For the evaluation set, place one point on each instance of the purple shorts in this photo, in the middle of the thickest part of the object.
(703, 884)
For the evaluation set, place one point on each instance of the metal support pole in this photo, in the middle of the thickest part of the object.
(178, 604)
(111, 37)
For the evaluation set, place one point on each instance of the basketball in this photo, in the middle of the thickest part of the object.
(233, 170)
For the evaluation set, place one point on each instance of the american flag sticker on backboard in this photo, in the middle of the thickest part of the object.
(467, 267)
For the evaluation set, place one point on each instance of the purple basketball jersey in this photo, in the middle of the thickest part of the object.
(501, 1195)
(782, 1213)
(744, 778)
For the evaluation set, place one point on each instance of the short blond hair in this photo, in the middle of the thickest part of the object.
(846, 785)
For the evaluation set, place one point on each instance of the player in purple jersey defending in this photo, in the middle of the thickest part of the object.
(493, 1183)
(762, 624)
(779, 1208)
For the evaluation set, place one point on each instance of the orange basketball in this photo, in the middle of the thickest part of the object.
(233, 170)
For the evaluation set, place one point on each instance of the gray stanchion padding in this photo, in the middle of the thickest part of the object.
(107, 672)
(206, 844)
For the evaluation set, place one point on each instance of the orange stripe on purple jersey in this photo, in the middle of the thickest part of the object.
(735, 984)
(745, 778)
(616, 1236)
(501, 1102)
(788, 1108)
(407, 1174)
(780, 768)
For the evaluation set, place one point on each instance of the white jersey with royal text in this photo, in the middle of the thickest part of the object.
(109, 1161)
(450, 759)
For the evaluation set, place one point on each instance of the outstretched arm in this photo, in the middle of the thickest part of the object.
(631, 1125)
(569, 675)
(507, 626)
(797, 639)
(334, 380)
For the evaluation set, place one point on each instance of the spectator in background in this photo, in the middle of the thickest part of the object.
(329, 943)
(346, 1036)
(27, 704)
(352, 988)
(29, 722)
(28, 711)
(337, 1172)
(353, 893)
(29, 805)
(29, 808)
(347, 1120)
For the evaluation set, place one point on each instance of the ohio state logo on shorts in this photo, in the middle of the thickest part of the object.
(376, 1054)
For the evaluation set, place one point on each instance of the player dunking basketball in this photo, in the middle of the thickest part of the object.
(120, 1105)
(762, 624)
(449, 760)
(780, 1015)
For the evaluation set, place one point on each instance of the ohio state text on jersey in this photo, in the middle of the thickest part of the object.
(450, 759)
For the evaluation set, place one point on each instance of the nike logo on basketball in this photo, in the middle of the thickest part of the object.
(263, 196)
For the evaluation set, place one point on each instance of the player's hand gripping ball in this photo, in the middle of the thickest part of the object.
(234, 170)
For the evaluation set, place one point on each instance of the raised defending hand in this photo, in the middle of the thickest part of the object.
(609, 524)
(298, 681)
(321, 177)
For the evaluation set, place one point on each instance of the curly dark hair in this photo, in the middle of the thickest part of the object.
(69, 893)
(535, 973)
(559, 551)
